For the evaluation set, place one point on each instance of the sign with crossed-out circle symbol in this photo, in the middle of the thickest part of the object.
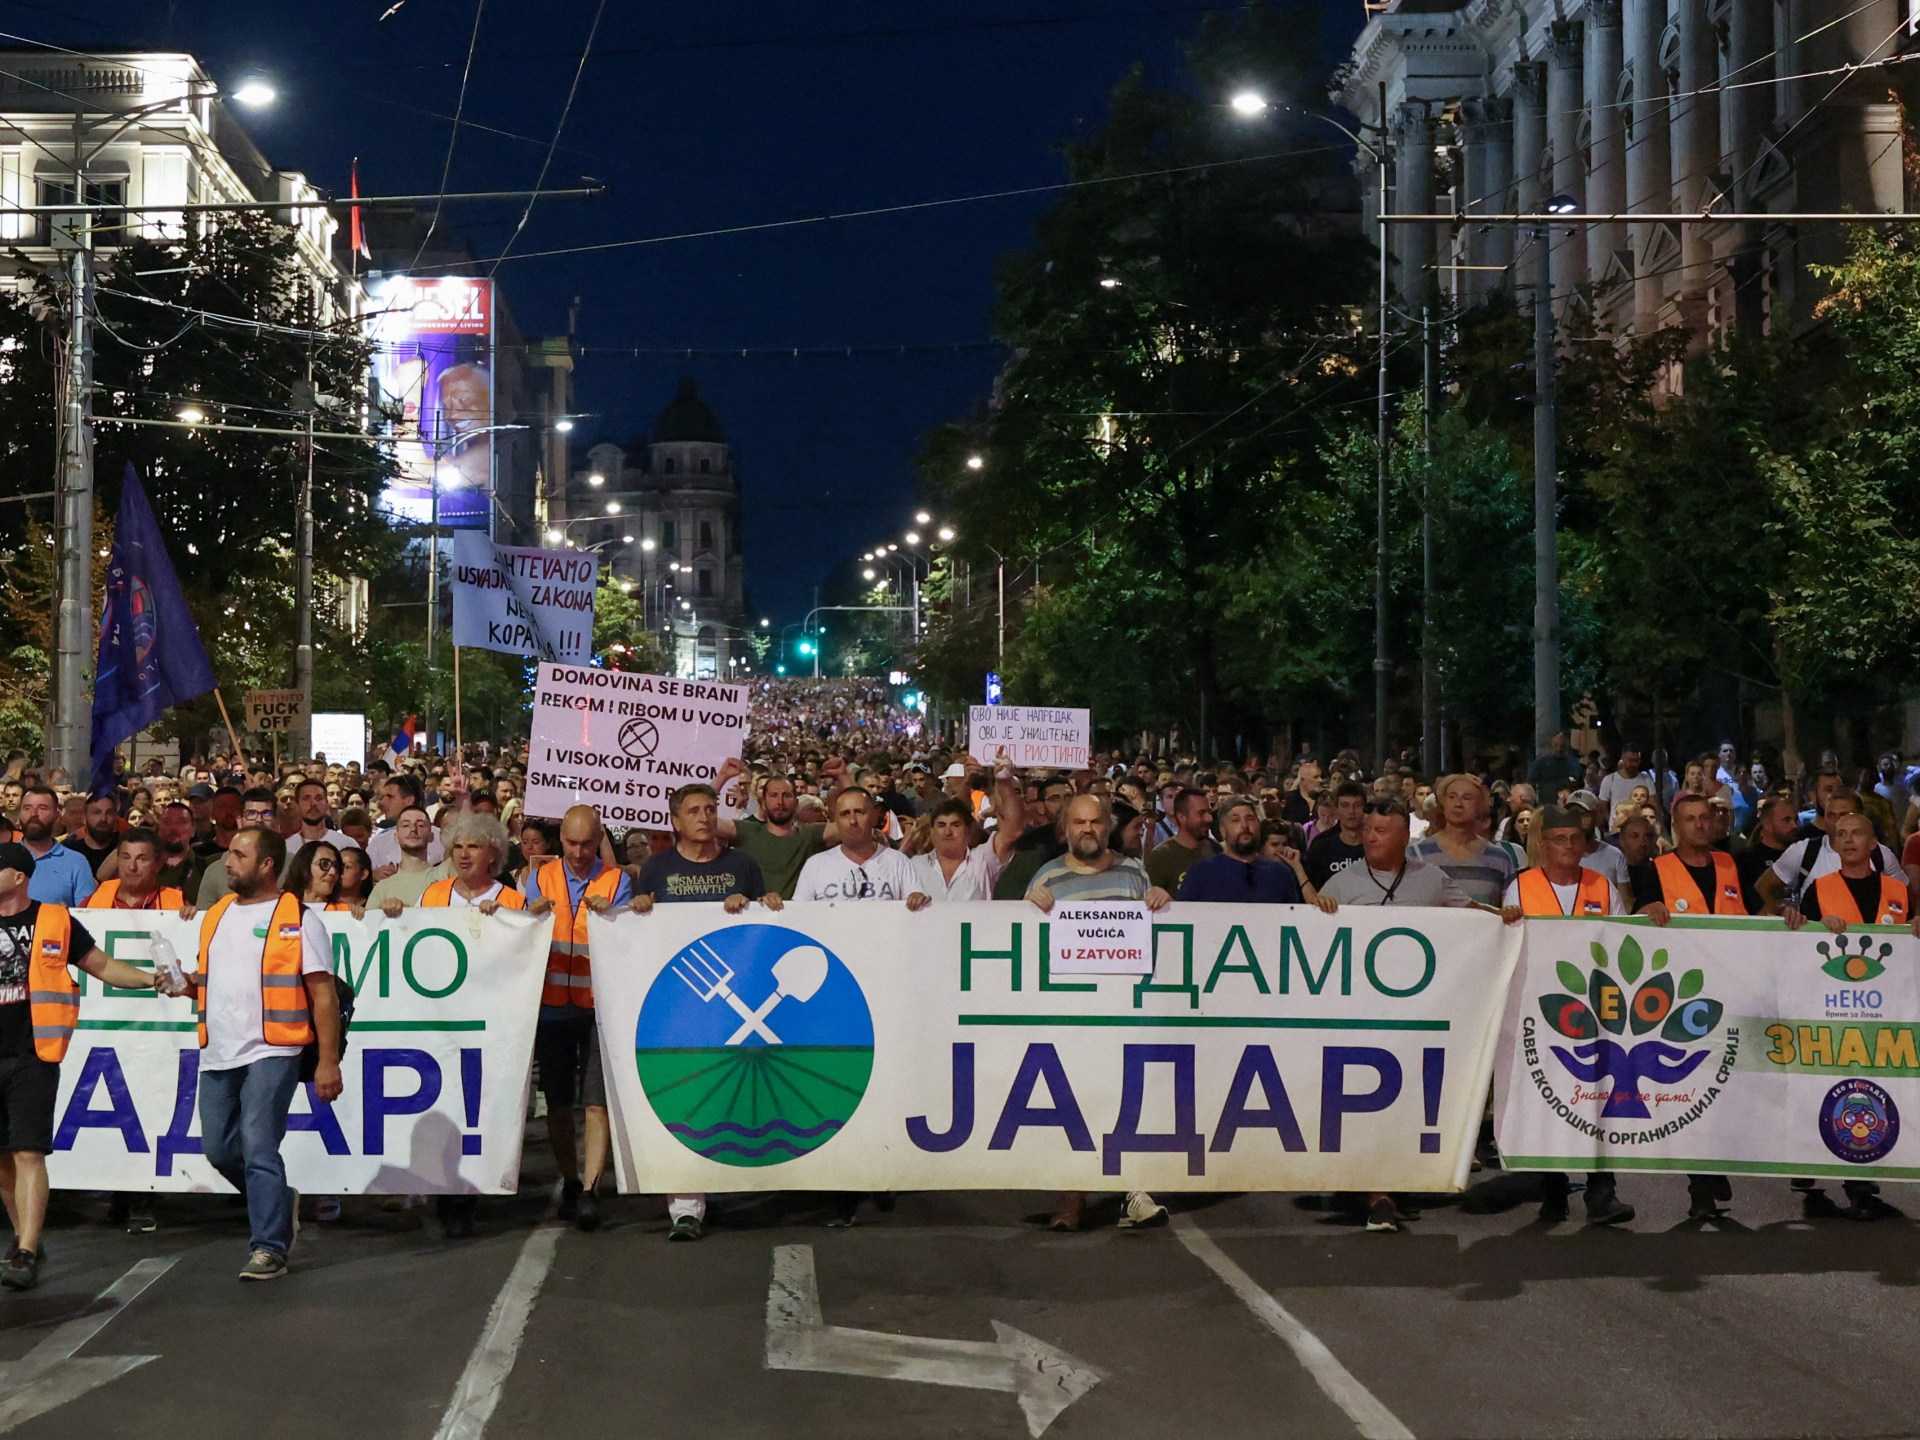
(639, 737)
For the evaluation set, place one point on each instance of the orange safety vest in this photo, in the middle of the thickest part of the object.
(1836, 898)
(52, 994)
(440, 892)
(569, 975)
(1537, 895)
(285, 1019)
(1683, 897)
(165, 898)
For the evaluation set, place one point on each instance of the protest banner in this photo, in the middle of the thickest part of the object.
(624, 743)
(435, 1068)
(275, 712)
(523, 600)
(862, 1047)
(340, 736)
(1030, 735)
(1719, 1046)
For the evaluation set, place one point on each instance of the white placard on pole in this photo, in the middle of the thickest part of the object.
(1031, 735)
(523, 600)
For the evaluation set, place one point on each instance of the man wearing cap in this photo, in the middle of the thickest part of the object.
(1600, 856)
(39, 1007)
(1561, 885)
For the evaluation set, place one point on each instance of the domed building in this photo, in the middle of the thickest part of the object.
(666, 518)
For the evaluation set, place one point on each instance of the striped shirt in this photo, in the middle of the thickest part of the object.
(1122, 880)
(1485, 877)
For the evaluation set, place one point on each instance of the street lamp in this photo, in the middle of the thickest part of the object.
(1250, 104)
(648, 545)
(596, 479)
(976, 462)
(254, 92)
(921, 517)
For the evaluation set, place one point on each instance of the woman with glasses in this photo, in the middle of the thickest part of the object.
(314, 875)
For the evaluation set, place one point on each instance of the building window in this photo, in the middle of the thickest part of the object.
(706, 585)
(706, 535)
(706, 467)
(666, 466)
(666, 536)
(103, 197)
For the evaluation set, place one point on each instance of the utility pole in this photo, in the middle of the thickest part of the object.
(303, 587)
(1430, 760)
(73, 622)
(1546, 540)
(1380, 447)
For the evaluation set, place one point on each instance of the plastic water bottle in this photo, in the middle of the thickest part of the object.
(168, 963)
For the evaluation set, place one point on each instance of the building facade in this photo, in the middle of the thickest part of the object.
(1632, 107)
(665, 516)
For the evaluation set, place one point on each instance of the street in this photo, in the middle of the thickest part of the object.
(1251, 1315)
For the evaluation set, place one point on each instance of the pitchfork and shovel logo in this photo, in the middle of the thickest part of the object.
(754, 1045)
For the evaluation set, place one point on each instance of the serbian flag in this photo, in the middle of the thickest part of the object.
(404, 738)
(356, 234)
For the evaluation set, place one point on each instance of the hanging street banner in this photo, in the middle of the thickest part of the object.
(856, 1046)
(522, 600)
(1030, 735)
(435, 1069)
(1713, 1047)
(275, 712)
(624, 743)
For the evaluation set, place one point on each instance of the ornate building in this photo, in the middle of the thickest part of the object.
(665, 516)
(1635, 106)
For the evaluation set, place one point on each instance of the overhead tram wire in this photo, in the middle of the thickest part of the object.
(453, 137)
(547, 164)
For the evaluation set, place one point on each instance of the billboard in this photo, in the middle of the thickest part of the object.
(434, 369)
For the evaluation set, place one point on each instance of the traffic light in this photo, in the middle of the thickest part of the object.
(806, 647)
(780, 669)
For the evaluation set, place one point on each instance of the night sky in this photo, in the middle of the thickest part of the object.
(703, 117)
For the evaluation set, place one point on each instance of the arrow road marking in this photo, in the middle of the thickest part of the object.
(49, 1376)
(1045, 1380)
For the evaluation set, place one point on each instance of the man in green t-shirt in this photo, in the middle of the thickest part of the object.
(772, 838)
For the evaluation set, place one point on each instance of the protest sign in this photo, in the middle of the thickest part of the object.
(435, 1069)
(1273, 1048)
(1718, 1046)
(275, 712)
(624, 743)
(523, 600)
(1030, 735)
(1101, 937)
(340, 737)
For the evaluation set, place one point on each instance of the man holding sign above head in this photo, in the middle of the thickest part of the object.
(698, 867)
(1091, 871)
(566, 1046)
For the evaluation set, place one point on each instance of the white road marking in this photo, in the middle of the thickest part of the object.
(1044, 1379)
(49, 1375)
(1370, 1417)
(491, 1362)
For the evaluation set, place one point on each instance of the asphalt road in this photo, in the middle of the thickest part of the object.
(1251, 1315)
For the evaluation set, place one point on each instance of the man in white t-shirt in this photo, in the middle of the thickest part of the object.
(1807, 859)
(259, 1008)
(1617, 784)
(955, 869)
(310, 804)
(859, 867)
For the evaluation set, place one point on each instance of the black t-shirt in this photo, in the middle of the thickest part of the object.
(670, 877)
(16, 959)
(1866, 896)
(1645, 880)
(1328, 855)
(96, 855)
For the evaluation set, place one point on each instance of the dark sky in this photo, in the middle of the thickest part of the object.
(704, 116)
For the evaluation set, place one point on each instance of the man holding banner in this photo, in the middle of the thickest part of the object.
(39, 1008)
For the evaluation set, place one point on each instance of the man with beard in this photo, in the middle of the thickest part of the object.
(775, 841)
(1041, 844)
(60, 876)
(310, 804)
(1240, 872)
(99, 834)
(180, 868)
(1090, 871)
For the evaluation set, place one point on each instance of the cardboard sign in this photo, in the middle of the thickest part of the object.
(522, 600)
(274, 712)
(1031, 735)
(1101, 937)
(624, 743)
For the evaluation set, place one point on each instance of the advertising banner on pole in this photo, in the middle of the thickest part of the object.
(861, 1047)
(435, 1068)
(624, 743)
(522, 600)
(1030, 735)
(1713, 1047)
(434, 368)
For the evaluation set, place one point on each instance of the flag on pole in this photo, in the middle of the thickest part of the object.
(403, 740)
(150, 652)
(356, 233)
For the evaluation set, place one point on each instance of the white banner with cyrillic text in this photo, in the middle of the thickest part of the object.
(624, 743)
(435, 1068)
(857, 1046)
(1713, 1047)
(1030, 735)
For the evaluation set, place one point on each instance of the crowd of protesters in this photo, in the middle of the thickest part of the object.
(842, 795)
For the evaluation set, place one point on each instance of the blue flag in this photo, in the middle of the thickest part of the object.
(150, 652)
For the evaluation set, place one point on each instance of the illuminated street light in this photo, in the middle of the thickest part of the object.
(946, 533)
(913, 537)
(1249, 103)
(563, 425)
(192, 414)
(647, 544)
(613, 507)
(867, 574)
(976, 462)
(553, 537)
(596, 480)
(921, 517)
(254, 93)
(1110, 282)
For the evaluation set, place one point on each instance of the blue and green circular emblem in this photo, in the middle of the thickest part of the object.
(754, 1045)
